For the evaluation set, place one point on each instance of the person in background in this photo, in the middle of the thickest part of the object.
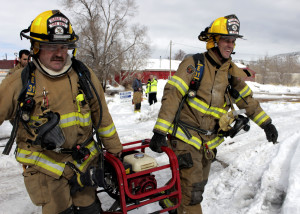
(56, 116)
(195, 112)
(137, 92)
(151, 90)
(23, 61)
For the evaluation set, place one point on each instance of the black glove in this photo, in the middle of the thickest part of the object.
(92, 177)
(157, 141)
(271, 133)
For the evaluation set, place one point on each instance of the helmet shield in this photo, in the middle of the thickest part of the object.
(233, 25)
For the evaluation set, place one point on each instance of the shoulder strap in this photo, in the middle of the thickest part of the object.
(83, 73)
(26, 77)
(195, 83)
(26, 81)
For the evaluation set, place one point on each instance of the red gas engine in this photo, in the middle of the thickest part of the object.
(131, 183)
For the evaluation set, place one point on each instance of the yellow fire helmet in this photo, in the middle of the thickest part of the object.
(51, 27)
(224, 26)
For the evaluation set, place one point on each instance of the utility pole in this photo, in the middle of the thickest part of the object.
(170, 59)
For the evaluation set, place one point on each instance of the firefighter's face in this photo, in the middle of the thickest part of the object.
(226, 46)
(54, 57)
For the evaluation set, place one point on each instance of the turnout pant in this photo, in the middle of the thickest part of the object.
(194, 171)
(137, 99)
(54, 194)
(152, 98)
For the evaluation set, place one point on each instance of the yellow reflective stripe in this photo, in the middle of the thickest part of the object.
(166, 126)
(93, 152)
(70, 119)
(246, 91)
(162, 125)
(79, 180)
(179, 84)
(194, 141)
(41, 160)
(204, 108)
(261, 118)
(107, 131)
(214, 142)
(75, 118)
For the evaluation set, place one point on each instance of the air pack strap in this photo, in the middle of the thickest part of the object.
(195, 83)
(193, 88)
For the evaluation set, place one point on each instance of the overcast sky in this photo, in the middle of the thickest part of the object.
(269, 27)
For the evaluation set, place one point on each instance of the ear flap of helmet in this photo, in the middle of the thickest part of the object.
(203, 35)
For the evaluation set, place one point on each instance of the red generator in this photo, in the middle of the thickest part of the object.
(131, 182)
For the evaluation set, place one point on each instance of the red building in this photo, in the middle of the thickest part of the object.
(5, 66)
(160, 68)
(247, 70)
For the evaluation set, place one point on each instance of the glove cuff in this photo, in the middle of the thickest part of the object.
(265, 125)
(157, 132)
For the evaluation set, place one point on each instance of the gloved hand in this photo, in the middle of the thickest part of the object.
(271, 133)
(92, 177)
(157, 141)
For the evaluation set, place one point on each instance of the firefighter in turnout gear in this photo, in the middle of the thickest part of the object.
(151, 90)
(58, 105)
(195, 104)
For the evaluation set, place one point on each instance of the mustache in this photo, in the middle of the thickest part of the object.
(57, 58)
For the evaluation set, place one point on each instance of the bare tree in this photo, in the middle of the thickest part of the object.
(179, 55)
(276, 69)
(105, 35)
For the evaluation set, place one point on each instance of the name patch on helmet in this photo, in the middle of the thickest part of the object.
(54, 24)
(233, 26)
(59, 28)
(58, 19)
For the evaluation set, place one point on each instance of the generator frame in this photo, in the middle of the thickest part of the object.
(171, 189)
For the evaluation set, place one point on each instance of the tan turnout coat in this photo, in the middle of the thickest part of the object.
(75, 121)
(211, 101)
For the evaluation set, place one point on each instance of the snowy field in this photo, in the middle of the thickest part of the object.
(261, 178)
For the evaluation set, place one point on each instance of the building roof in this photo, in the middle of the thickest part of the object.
(161, 65)
(164, 65)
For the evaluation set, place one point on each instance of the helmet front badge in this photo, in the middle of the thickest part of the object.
(59, 30)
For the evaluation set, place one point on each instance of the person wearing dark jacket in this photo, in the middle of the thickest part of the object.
(137, 93)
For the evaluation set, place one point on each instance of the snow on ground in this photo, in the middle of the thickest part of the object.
(261, 178)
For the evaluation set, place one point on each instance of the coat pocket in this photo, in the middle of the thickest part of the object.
(36, 186)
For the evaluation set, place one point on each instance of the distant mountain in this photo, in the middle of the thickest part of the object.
(283, 55)
(296, 54)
